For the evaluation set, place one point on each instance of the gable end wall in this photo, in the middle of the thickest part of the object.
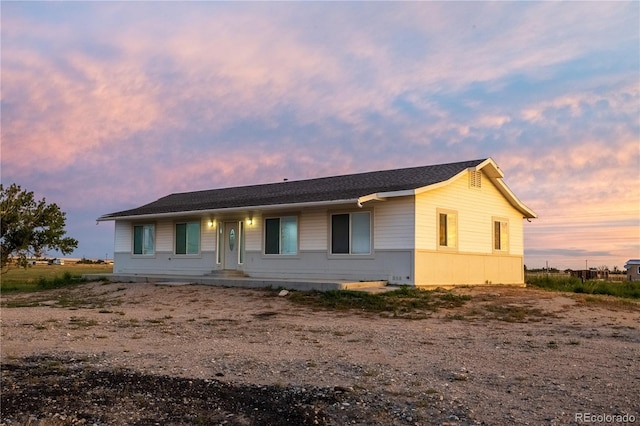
(473, 261)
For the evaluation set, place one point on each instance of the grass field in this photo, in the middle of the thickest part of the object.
(626, 289)
(24, 280)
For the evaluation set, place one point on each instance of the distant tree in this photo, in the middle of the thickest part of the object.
(30, 227)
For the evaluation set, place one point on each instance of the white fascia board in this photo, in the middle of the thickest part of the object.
(211, 212)
(509, 195)
(490, 168)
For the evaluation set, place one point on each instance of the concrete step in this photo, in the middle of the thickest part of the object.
(357, 285)
(226, 273)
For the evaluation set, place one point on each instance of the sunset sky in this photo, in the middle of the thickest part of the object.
(107, 105)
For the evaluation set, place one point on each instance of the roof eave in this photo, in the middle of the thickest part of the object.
(409, 192)
(212, 212)
(490, 168)
(515, 202)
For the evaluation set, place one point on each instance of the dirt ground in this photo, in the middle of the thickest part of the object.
(148, 354)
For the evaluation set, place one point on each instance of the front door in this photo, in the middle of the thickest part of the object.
(231, 244)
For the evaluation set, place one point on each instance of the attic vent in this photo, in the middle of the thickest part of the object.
(475, 179)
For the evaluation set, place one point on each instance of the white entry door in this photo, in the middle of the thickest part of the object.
(231, 245)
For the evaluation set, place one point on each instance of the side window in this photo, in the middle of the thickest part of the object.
(447, 229)
(144, 239)
(281, 235)
(351, 233)
(220, 243)
(500, 235)
(187, 238)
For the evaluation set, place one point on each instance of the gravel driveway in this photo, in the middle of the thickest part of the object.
(147, 354)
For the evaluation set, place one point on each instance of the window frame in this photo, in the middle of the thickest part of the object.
(186, 234)
(503, 240)
(219, 242)
(280, 241)
(133, 239)
(350, 253)
(241, 242)
(451, 232)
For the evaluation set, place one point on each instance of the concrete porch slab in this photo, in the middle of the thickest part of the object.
(242, 282)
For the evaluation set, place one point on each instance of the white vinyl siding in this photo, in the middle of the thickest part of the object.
(253, 233)
(313, 230)
(123, 236)
(164, 232)
(207, 236)
(476, 208)
(394, 224)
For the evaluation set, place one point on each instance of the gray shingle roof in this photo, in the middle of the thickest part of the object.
(345, 187)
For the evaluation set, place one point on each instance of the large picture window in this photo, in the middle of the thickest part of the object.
(188, 238)
(351, 233)
(447, 229)
(281, 235)
(144, 239)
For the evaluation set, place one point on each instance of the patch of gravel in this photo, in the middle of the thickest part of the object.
(74, 391)
(144, 354)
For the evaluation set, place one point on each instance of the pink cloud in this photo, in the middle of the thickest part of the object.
(58, 117)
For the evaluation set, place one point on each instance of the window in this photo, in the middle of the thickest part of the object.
(351, 233)
(281, 235)
(447, 229)
(144, 239)
(220, 243)
(188, 238)
(241, 242)
(500, 235)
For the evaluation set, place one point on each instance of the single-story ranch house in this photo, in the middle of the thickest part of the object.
(443, 224)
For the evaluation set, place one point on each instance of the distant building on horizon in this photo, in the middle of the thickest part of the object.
(633, 269)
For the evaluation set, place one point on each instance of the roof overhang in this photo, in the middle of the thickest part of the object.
(488, 167)
(230, 210)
